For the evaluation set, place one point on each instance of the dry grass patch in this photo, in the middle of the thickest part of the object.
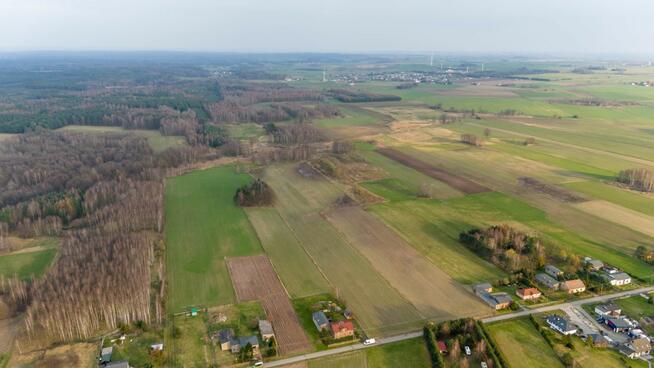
(619, 215)
(65, 356)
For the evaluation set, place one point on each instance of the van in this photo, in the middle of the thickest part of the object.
(369, 341)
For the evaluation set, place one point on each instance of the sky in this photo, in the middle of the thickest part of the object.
(352, 26)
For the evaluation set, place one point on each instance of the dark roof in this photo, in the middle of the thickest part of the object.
(560, 323)
(244, 340)
(608, 307)
(120, 364)
(546, 279)
(618, 322)
(319, 318)
(225, 335)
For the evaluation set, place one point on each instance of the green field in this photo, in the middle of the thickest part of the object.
(295, 268)
(522, 345)
(632, 200)
(157, 142)
(299, 200)
(26, 264)
(203, 226)
(245, 130)
(352, 116)
(408, 353)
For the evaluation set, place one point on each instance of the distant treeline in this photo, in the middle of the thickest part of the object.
(637, 179)
(347, 96)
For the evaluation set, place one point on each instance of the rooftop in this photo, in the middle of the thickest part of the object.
(342, 326)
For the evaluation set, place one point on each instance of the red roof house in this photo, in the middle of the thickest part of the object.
(442, 346)
(342, 329)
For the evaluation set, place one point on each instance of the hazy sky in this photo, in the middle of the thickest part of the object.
(522, 26)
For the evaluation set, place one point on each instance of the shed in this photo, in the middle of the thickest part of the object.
(266, 329)
(320, 320)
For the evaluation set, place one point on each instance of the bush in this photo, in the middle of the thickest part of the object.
(256, 194)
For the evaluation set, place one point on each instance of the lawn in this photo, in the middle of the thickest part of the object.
(522, 345)
(408, 353)
(295, 268)
(157, 142)
(26, 264)
(189, 348)
(203, 226)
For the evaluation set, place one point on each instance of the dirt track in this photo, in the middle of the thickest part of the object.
(255, 279)
(457, 182)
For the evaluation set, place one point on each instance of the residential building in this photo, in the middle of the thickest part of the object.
(616, 277)
(266, 330)
(608, 309)
(594, 264)
(225, 336)
(547, 281)
(119, 364)
(442, 346)
(617, 324)
(483, 288)
(599, 341)
(573, 286)
(561, 324)
(636, 348)
(553, 271)
(241, 342)
(528, 293)
(497, 301)
(342, 329)
(320, 320)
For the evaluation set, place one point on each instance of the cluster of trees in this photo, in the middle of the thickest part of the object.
(300, 133)
(645, 254)
(250, 93)
(506, 247)
(637, 179)
(347, 96)
(472, 139)
(256, 194)
(229, 112)
(457, 334)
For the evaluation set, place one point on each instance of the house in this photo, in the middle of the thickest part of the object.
(241, 342)
(528, 293)
(553, 271)
(599, 341)
(225, 336)
(482, 288)
(497, 301)
(348, 314)
(320, 320)
(617, 278)
(594, 264)
(342, 329)
(265, 327)
(608, 309)
(561, 325)
(573, 286)
(636, 348)
(120, 364)
(617, 324)
(105, 355)
(442, 346)
(547, 280)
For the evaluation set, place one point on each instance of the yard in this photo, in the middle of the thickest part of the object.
(408, 353)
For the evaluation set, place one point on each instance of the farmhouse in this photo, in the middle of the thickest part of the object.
(342, 329)
(573, 286)
(225, 336)
(618, 324)
(483, 288)
(594, 264)
(320, 320)
(547, 280)
(616, 277)
(266, 330)
(561, 325)
(528, 293)
(497, 301)
(553, 271)
(608, 309)
(241, 342)
(636, 348)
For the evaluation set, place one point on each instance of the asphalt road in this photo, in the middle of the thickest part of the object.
(412, 335)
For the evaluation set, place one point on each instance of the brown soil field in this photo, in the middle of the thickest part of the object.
(559, 193)
(456, 182)
(255, 279)
(430, 290)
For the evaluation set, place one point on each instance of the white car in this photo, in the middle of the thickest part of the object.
(467, 349)
(484, 365)
(369, 341)
(258, 364)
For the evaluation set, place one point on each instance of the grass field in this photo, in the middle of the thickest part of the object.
(380, 307)
(619, 215)
(408, 353)
(295, 268)
(245, 130)
(632, 200)
(157, 142)
(353, 116)
(33, 258)
(203, 226)
(522, 345)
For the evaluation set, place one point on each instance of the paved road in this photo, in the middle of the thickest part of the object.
(412, 335)
(318, 354)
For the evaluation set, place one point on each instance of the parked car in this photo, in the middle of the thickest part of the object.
(467, 349)
(258, 364)
(369, 341)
